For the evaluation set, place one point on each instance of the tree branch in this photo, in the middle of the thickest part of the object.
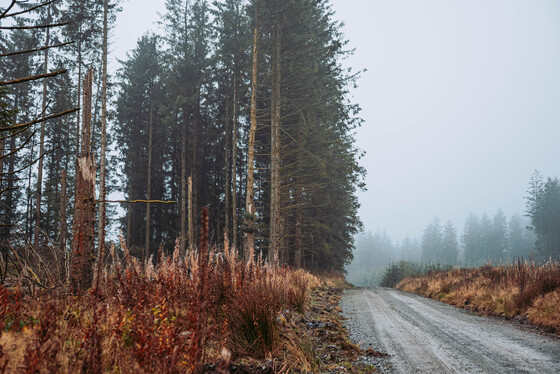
(52, 116)
(35, 50)
(26, 10)
(34, 27)
(136, 201)
(8, 9)
(33, 77)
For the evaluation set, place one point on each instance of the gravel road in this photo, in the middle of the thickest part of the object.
(426, 336)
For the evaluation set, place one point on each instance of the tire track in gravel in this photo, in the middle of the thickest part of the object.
(426, 336)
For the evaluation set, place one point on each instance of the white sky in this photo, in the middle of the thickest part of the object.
(461, 102)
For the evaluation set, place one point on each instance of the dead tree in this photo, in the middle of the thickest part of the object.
(83, 244)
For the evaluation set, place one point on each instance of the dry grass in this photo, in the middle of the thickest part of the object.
(521, 289)
(176, 316)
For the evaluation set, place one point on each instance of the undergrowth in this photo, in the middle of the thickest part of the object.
(176, 316)
(522, 290)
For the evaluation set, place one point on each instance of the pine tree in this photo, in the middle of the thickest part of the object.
(432, 243)
(472, 240)
(449, 245)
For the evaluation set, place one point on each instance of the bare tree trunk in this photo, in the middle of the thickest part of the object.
(275, 221)
(193, 191)
(28, 213)
(129, 219)
(234, 163)
(182, 235)
(298, 255)
(41, 145)
(1, 162)
(102, 189)
(249, 198)
(83, 246)
(79, 100)
(149, 187)
(227, 176)
(191, 216)
(62, 227)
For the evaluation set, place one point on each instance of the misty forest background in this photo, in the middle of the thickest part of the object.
(484, 239)
(193, 120)
(267, 144)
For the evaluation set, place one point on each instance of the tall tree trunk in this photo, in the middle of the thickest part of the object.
(234, 162)
(227, 176)
(83, 245)
(79, 99)
(41, 143)
(298, 255)
(193, 193)
(275, 221)
(1, 163)
(191, 216)
(249, 198)
(62, 217)
(183, 233)
(102, 189)
(129, 218)
(28, 213)
(149, 187)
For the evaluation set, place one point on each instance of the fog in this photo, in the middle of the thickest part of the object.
(460, 103)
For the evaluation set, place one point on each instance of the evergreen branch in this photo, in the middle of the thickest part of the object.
(52, 116)
(34, 27)
(35, 50)
(33, 77)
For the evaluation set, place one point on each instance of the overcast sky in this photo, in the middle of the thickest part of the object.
(461, 102)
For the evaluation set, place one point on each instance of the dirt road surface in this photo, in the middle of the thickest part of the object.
(426, 336)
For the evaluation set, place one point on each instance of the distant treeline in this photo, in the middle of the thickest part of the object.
(535, 236)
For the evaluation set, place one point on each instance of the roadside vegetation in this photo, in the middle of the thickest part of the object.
(524, 291)
(397, 271)
(172, 317)
(189, 314)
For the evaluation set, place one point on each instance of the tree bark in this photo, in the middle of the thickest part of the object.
(249, 198)
(191, 216)
(298, 255)
(102, 189)
(62, 218)
(227, 176)
(41, 145)
(83, 246)
(234, 163)
(275, 221)
(149, 187)
(183, 233)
